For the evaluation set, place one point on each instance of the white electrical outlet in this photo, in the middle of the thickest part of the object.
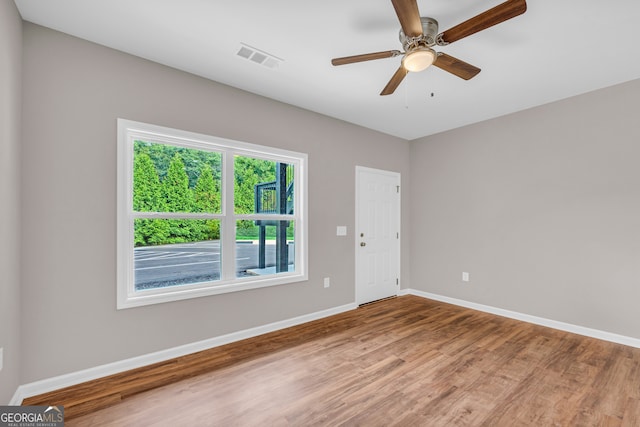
(1, 357)
(327, 282)
(465, 276)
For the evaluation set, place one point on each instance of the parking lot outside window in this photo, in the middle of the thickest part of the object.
(200, 215)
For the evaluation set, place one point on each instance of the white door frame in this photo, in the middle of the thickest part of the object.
(357, 238)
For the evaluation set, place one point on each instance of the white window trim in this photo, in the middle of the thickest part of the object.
(127, 297)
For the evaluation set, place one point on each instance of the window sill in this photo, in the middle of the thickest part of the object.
(182, 292)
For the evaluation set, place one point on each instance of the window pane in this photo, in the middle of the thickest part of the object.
(263, 186)
(264, 247)
(167, 178)
(170, 252)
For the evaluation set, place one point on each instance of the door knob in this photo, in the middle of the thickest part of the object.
(363, 244)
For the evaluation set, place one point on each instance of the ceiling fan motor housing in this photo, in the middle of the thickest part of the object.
(427, 39)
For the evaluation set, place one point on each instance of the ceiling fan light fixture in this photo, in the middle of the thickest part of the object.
(419, 59)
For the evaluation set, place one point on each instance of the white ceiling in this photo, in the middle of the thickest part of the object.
(557, 49)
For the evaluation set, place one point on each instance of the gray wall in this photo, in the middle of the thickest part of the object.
(73, 93)
(541, 207)
(10, 107)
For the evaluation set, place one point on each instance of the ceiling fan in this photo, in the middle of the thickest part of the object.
(418, 34)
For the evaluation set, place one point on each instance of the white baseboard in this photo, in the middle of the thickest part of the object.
(55, 383)
(567, 327)
(17, 398)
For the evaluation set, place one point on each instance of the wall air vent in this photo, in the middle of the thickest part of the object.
(259, 56)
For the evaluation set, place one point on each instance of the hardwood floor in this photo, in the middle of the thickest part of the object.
(407, 361)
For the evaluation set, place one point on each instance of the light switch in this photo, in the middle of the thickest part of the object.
(341, 230)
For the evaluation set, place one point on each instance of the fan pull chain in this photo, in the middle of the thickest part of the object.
(406, 93)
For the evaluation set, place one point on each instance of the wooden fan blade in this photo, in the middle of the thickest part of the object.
(456, 66)
(395, 81)
(365, 57)
(489, 18)
(409, 17)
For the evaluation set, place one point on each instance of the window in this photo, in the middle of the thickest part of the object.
(200, 215)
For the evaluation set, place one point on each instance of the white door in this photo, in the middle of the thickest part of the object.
(377, 234)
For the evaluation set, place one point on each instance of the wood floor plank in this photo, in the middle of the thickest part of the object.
(400, 362)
